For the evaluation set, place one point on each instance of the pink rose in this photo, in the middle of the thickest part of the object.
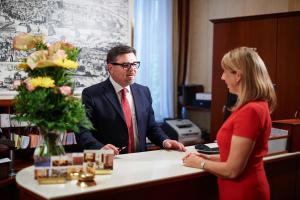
(60, 54)
(65, 90)
(29, 87)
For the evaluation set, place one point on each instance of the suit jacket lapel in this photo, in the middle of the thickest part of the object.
(137, 102)
(111, 95)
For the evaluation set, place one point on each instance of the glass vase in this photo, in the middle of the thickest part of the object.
(50, 145)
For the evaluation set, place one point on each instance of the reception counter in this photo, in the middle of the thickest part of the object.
(147, 175)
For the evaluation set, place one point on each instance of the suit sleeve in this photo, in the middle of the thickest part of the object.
(85, 138)
(154, 132)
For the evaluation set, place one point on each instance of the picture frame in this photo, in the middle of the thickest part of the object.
(94, 26)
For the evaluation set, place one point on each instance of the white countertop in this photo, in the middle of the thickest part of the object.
(129, 169)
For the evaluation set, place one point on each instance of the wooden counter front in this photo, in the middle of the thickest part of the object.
(156, 175)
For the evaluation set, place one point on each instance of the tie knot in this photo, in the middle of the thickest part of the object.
(124, 92)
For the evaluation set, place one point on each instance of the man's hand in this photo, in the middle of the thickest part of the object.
(173, 144)
(111, 147)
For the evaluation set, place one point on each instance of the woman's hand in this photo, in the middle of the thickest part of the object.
(202, 155)
(192, 160)
(215, 157)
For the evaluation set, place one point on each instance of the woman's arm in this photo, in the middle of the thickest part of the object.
(240, 150)
(215, 157)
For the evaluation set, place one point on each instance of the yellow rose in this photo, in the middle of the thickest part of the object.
(65, 63)
(45, 82)
(22, 66)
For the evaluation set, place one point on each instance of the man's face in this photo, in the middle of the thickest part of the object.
(123, 76)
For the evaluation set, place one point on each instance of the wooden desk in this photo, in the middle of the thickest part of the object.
(158, 175)
(293, 126)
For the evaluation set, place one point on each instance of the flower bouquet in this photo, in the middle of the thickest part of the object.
(45, 98)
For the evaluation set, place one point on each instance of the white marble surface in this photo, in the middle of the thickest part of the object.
(129, 169)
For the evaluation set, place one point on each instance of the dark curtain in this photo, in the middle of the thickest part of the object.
(183, 37)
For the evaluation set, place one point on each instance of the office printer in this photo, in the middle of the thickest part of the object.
(183, 130)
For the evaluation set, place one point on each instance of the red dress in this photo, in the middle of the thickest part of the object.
(251, 121)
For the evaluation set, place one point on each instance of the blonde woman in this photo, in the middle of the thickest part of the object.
(243, 138)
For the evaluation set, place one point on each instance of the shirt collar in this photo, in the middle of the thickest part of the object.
(117, 86)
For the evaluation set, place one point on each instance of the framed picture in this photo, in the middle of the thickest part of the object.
(94, 26)
(10, 79)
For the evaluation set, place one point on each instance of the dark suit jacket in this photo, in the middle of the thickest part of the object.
(105, 112)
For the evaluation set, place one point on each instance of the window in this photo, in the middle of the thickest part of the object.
(153, 42)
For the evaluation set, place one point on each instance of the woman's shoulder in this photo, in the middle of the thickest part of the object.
(255, 106)
(252, 111)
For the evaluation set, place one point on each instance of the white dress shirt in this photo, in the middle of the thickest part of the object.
(129, 97)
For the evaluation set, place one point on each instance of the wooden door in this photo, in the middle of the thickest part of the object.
(288, 68)
(220, 46)
(259, 33)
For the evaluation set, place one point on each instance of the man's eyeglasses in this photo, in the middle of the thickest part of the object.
(128, 65)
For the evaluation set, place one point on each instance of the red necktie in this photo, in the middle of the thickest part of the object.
(128, 118)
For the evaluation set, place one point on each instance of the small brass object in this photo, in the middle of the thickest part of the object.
(86, 180)
(51, 180)
(73, 176)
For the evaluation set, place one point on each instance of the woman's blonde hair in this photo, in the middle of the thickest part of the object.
(255, 80)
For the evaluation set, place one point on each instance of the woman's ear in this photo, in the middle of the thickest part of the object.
(238, 77)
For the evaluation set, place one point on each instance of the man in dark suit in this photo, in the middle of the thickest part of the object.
(121, 110)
